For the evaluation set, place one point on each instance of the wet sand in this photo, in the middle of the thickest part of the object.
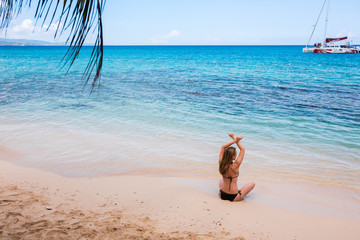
(40, 205)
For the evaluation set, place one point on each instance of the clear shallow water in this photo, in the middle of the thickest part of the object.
(167, 110)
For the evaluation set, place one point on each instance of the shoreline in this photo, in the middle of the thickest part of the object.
(155, 207)
(78, 147)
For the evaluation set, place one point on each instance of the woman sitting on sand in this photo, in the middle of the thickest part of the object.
(229, 169)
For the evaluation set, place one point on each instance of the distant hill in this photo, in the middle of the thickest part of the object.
(26, 42)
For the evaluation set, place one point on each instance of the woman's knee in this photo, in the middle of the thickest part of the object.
(249, 186)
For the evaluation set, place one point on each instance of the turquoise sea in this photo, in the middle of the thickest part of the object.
(166, 110)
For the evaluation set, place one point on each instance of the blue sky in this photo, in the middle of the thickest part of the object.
(161, 22)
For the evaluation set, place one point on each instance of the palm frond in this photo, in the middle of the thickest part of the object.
(76, 16)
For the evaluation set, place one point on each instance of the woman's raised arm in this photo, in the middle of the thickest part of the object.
(240, 157)
(225, 145)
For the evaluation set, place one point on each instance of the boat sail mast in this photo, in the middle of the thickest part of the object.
(326, 21)
(322, 8)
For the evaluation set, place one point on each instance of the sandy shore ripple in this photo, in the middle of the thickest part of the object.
(26, 215)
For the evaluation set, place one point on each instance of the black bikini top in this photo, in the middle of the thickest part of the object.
(231, 178)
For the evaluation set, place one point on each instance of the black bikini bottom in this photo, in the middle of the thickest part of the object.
(229, 196)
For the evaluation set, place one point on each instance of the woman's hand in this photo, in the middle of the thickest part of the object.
(232, 135)
(238, 138)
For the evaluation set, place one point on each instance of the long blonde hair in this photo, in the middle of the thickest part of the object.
(227, 159)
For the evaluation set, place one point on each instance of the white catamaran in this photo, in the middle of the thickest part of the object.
(330, 45)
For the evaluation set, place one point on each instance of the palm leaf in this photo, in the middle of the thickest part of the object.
(76, 16)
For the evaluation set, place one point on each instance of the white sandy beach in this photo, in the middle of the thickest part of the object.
(40, 205)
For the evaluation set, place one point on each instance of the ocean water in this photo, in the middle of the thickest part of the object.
(166, 110)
